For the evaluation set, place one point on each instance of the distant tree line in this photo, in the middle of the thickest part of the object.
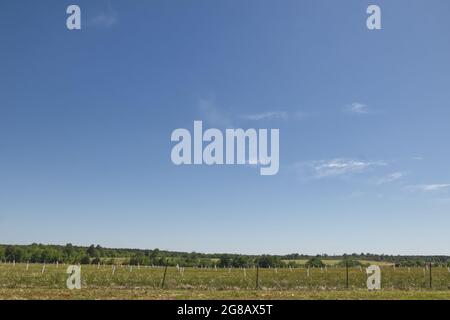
(94, 254)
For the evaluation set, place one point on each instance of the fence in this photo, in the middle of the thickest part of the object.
(178, 278)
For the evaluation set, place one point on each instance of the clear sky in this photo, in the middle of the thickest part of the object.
(86, 118)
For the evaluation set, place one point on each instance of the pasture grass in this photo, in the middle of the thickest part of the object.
(16, 282)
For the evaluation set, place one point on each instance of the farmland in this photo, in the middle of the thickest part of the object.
(17, 281)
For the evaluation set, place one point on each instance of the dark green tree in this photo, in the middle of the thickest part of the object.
(315, 263)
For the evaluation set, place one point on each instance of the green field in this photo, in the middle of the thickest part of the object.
(100, 282)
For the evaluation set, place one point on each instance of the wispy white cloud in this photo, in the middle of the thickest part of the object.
(266, 115)
(343, 166)
(104, 19)
(336, 167)
(390, 178)
(429, 187)
(212, 114)
(357, 108)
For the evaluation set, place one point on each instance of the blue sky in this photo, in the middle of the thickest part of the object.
(86, 118)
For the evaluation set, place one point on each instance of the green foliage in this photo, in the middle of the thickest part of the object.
(91, 251)
(266, 261)
(315, 263)
(350, 262)
(39, 253)
(225, 261)
(85, 260)
(140, 259)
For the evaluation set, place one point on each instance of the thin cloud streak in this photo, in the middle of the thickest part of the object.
(390, 178)
(319, 169)
(337, 167)
(266, 115)
(103, 20)
(357, 108)
(430, 187)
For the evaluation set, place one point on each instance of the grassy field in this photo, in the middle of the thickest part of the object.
(18, 282)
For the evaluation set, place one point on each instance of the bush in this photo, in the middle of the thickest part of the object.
(139, 259)
(85, 260)
(266, 261)
(315, 263)
(96, 261)
(350, 262)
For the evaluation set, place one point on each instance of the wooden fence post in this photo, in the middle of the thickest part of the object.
(164, 277)
(257, 277)
(346, 274)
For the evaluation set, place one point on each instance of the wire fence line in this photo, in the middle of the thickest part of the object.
(157, 277)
